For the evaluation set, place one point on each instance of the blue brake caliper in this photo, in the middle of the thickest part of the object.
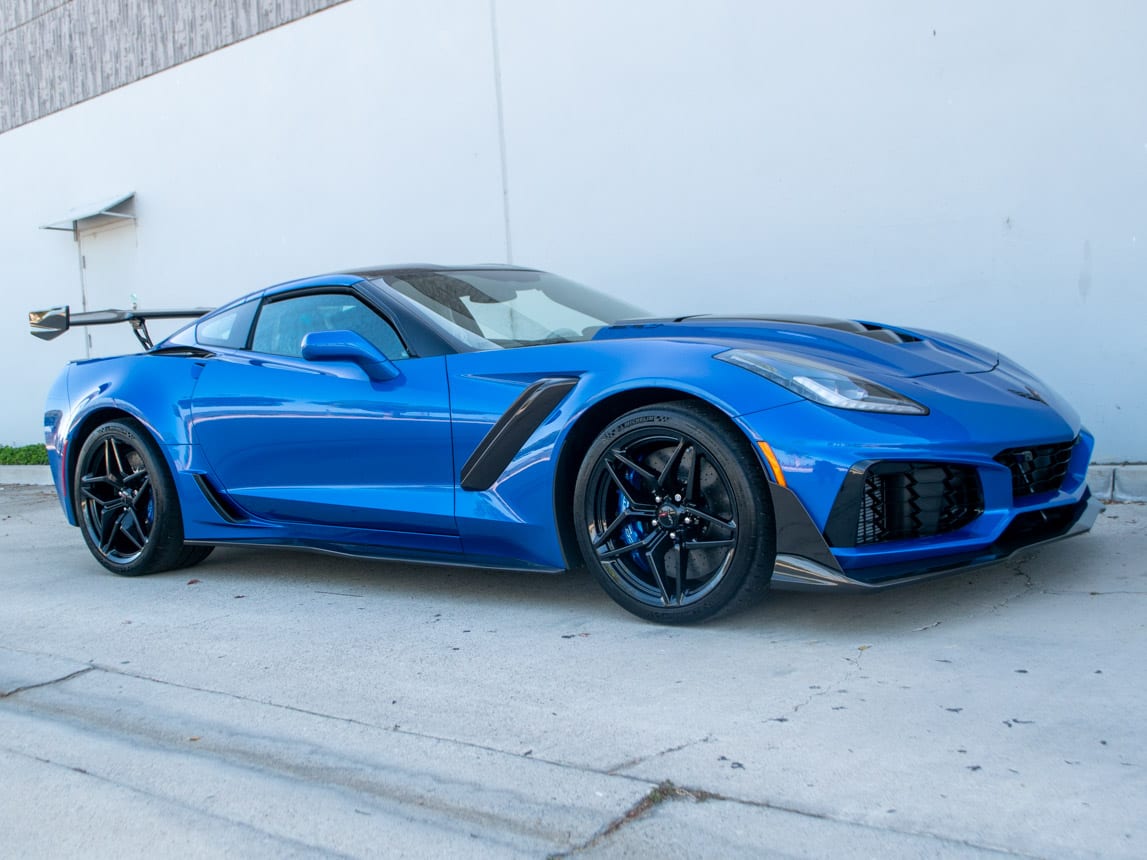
(634, 530)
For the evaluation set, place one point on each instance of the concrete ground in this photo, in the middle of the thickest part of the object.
(282, 704)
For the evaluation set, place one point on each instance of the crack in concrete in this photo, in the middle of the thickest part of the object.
(659, 792)
(37, 686)
(616, 769)
(824, 691)
(1017, 566)
(657, 795)
(667, 791)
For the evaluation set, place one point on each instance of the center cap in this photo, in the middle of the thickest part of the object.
(668, 516)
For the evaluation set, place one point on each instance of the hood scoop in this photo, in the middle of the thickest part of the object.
(876, 332)
(870, 330)
(851, 343)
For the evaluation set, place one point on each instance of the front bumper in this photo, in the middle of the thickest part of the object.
(973, 509)
(805, 562)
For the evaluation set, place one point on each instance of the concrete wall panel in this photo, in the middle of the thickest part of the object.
(62, 53)
(979, 168)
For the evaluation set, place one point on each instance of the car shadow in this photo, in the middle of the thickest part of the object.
(371, 578)
(958, 598)
(949, 600)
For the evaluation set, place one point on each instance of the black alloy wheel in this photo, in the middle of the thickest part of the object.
(126, 503)
(673, 515)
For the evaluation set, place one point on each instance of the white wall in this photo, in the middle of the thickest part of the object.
(976, 167)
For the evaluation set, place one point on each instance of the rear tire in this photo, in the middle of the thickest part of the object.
(673, 515)
(126, 504)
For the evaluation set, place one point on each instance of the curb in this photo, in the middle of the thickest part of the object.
(39, 476)
(1127, 483)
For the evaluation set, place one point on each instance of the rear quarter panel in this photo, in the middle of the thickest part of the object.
(155, 390)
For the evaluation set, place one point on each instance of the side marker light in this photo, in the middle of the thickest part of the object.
(778, 475)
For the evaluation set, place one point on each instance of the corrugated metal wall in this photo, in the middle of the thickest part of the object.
(55, 53)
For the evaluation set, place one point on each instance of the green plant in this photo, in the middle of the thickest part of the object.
(23, 455)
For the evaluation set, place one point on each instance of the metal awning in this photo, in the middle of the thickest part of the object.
(81, 213)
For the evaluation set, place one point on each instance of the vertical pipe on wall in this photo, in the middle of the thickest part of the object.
(501, 128)
(83, 288)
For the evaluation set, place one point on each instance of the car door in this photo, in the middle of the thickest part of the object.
(320, 442)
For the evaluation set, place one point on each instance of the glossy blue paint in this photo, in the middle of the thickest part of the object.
(349, 346)
(320, 452)
(151, 389)
(321, 443)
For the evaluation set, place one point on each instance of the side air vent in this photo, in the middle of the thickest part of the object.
(1039, 469)
(890, 501)
(222, 506)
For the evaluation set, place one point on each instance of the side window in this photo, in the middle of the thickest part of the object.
(283, 324)
(229, 328)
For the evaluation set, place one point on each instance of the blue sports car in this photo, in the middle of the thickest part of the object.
(505, 417)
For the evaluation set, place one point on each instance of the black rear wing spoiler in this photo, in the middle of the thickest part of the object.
(53, 322)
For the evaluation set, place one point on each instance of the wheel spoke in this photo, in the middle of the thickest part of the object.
(620, 483)
(629, 464)
(694, 511)
(682, 563)
(616, 524)
(127, 523)
(690, 482)
(121, 471)
(670, 469)
(103, 504)
(658, 539)
(89, 480)
(708, 544)
(645, 543)
(109, 528)
(140, 518)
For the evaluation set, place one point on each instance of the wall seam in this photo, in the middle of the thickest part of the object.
(36, 17)
(501, 129)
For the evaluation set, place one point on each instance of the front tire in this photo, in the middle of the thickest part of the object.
(673, 515)
(126, 503)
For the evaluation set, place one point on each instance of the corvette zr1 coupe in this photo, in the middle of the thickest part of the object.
(505, 417)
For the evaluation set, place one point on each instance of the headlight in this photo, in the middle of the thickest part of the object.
(828, 386)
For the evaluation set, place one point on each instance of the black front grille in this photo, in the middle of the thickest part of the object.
(902, 501)
(1039, 469)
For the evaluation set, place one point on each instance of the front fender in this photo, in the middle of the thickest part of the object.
(516, 516)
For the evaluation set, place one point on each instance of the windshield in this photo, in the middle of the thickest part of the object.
(511, 307)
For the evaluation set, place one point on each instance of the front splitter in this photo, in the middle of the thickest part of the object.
(798, 573)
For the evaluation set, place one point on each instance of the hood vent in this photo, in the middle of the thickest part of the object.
(876, 332)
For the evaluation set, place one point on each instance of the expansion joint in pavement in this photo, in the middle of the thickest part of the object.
(5, 694)
(667, 791)
(618, 769)
(287, 844)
